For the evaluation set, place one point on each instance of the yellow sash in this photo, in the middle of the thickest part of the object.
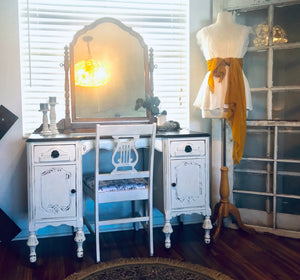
(235, 98)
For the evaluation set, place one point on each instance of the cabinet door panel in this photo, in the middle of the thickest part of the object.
(188, 183)
(53, 195)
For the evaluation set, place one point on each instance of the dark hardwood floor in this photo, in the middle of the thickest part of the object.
(236, 253)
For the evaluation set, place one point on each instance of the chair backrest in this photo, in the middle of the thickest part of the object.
(124, 153)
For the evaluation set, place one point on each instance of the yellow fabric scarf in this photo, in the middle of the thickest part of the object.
(235, 98)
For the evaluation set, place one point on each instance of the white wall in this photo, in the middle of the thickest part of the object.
(13, 181)
(13, 193)
(200, 16)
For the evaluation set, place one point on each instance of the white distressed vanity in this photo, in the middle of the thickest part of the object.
(181, 180)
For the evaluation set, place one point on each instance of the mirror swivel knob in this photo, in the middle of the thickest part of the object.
(73, 191)
(173, 184)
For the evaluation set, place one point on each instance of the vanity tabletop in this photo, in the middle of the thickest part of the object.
(74, 136)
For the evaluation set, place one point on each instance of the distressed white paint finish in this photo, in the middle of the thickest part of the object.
(54, 189)
(181, 182)
(124, 159)
(251, 4)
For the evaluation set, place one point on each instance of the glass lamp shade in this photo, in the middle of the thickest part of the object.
(91, 73)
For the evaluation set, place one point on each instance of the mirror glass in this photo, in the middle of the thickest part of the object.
(108, 72)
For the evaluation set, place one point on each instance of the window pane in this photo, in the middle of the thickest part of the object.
(252, 176)
(288, 205)
(288, 184)
(286, 67)
(255, 68)
(286, 106)
(288, 18)
(252, 201)
(259, 104)
(259, 142)
(252, 18)
(288, 143)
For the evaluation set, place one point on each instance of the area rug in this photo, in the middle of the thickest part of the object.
(147, 268)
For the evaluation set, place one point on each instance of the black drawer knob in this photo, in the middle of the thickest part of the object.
(73, 191)
(173, 184)
(188, 149)
(55, 154)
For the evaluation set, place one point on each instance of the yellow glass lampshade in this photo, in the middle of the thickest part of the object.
(91, 73)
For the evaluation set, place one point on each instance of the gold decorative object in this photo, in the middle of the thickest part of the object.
(279, 35)
(262, 35)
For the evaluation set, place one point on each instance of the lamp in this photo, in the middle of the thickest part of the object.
(89, 72)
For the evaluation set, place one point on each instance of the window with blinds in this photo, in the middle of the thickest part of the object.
(47, 26)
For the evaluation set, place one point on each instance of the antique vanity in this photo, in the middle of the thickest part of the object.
(181, 179)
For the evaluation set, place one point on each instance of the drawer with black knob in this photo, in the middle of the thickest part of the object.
(54, 153)
(187, 148)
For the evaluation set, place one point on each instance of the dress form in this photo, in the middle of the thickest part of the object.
(223, 39)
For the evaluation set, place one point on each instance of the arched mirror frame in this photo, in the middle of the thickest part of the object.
(73, 123)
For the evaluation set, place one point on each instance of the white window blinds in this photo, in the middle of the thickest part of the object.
(47, 26)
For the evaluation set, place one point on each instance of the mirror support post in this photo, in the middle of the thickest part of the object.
(67, 92)
(151, 68)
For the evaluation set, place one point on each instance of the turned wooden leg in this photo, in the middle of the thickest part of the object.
(219, 222)
(167, 230)
(79, 239)
(32, 242)
(207, 226)
(215, 212)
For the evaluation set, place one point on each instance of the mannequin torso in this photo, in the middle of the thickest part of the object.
(222, 39)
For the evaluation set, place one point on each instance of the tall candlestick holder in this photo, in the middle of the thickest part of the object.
(53, 127)
(44, 109)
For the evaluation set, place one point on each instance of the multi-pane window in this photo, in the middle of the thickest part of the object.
(266, 184)
(47, 26)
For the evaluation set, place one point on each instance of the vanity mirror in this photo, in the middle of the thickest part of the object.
(108, 69)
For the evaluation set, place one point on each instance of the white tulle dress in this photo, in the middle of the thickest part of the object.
(223, 39)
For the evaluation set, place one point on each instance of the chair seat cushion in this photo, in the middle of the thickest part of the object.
(116, 185)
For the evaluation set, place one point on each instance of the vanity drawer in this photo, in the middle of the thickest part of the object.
(187, 148)
(54, 153)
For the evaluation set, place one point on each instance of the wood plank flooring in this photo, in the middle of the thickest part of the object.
(236, 253)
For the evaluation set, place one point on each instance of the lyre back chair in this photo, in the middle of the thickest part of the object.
(124, 182)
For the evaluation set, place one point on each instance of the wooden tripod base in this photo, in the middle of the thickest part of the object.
(223, 208)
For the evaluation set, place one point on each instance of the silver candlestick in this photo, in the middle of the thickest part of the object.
(52, 103)
(44, 109)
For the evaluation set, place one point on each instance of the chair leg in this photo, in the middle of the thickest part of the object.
(134, 213)
(150, 228)
(97, 232)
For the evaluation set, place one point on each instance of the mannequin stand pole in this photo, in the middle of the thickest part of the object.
(223, 208)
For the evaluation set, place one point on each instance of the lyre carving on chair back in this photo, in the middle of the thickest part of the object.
(125, 155)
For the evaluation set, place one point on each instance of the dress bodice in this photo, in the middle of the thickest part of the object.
(223, 39)
(220, 42)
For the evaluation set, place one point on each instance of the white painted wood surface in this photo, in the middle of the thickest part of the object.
(181, 182)
(54, 189)
(124, 159)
